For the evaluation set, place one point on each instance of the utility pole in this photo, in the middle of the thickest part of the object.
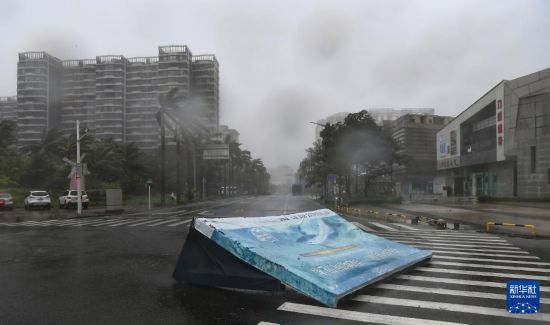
(162, 158)
(78, 170)
(178, 176)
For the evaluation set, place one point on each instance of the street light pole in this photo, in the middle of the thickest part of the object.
(78, 170)
(162, 157)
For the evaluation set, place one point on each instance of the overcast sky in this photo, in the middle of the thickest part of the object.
(285, 63)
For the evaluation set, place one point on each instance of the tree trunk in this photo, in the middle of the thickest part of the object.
(348, 186)
(366, 189)
(356, 178)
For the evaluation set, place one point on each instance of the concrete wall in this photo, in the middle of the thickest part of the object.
(531, 84)
(534, 185)
(505, 178)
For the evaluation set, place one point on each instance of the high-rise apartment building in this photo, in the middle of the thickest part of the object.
(8, 107)
(113, 96)
(204, 84)
(38, 95)
(142, 102)
(79, 94)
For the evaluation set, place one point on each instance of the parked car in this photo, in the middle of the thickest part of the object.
(70, 198)
(40, 199)
(6, 201)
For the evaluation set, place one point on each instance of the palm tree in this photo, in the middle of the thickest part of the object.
(50, 146)
(165, 101)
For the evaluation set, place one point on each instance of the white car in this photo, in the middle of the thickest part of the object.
(39, 199)
(70, 198)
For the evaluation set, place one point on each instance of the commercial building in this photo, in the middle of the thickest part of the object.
(8, 106)
(225, 134)
(416, 136)
(500, 145)
(332, 119)
(391, 114)
(113, 96)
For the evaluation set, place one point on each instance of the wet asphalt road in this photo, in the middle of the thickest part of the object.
(118, 271)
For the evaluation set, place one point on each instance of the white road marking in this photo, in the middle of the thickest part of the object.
(436, 246)
(490, 266)
(449, 292)
(71, 222)
(358, 316)
(162, 222)
(88, 222)
(442, 306)
(49, 222)
(125, 222)
(491, 274)
(452, 240)
(180, 223)
(454, 252)
(61, 222)
(28, 223)
(444, 257)
(404, 226)
(446, 234)
(168, 212)
(363, 227)
(267, 323)
(459, 281)
(106, 223)
(379, 225)
(145, 222)
(102, 220)
(428, 242)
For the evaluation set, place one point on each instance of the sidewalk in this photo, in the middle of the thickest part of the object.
(485, 212)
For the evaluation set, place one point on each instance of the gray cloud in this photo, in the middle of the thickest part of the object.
(285, 63)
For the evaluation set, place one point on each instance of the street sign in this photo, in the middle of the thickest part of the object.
(216, 152)
(318, 253)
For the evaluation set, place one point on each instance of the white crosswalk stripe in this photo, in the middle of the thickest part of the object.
(460, 282)
(483, 250)
(420, 304)
(161, 222)
(490, 266)
(86, 223)
(110, 222)
(124, 222)
(102, 222)
(450, 292)
(446, 235)
(363, 227)
(397, 237)
(383, 226)
(358, 316)
(400, 225)
(447, 257)
(144, 222)
(462, 269)
(483, 273)
(180, 223)
(455, 252)
(429, 242)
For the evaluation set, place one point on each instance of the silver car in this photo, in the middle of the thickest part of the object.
(40, 199)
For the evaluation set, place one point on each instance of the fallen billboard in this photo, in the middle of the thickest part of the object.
(317, 253)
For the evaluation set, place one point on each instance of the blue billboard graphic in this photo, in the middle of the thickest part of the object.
(522, 297)
(317, 253)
